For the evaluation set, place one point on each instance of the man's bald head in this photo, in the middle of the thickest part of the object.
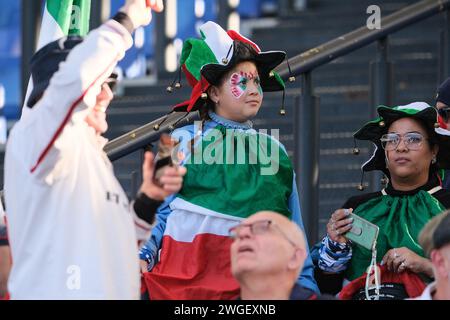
(291, 229)
(276, 248)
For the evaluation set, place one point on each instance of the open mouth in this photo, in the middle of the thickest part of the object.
(245, 248)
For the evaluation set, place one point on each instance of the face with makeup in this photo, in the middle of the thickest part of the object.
(410, 161)
(240, 95)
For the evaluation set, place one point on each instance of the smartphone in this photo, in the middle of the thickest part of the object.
(363, 232)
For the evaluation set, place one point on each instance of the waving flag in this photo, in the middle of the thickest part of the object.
(62, 18)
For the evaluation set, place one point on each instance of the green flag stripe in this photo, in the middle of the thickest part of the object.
(81, 10)
(61, 11)
(202, 55)
(238, 189)
(72, 16)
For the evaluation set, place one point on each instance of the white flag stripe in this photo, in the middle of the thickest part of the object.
(50, 29)
(188, 220)
(218, 41)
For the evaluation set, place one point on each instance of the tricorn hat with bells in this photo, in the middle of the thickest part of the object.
(421, 111)
(205, 60)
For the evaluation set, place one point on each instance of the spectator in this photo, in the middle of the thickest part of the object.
(443, 107)
(409, 151)
(68, 216)
(188, 253)
(267, 256)
(435, 240)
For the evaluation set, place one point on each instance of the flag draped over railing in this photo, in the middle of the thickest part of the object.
(62, 18)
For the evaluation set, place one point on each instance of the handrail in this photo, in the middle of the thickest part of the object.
(299, 64)
(143, 136)
(361, 37)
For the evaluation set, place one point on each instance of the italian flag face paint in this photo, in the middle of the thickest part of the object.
(239, 81)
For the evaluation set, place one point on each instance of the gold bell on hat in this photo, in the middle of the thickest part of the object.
(271, 74)
(360, 187)
(355, 151)
(291, 79)
(382, 124)
(177, 85)
(225, 61)
(204, 96)
(282, 112)
(169, 89)
(156, 127)
(437, 125)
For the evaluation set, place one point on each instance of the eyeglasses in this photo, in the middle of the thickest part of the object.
(412, 140)
(112, 81)
(444, 113)
(258, 227)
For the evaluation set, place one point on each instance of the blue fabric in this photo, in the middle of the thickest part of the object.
(150, 249)
(10, 44)
(333, 256)
(446, 182)
(306, 278)
(300, 293)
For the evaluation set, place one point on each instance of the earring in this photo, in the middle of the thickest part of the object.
(433, 161)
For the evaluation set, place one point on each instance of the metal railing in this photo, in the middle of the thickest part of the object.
(146, 135)
(307, 115)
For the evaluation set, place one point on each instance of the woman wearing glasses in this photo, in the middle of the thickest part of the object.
(410, 152)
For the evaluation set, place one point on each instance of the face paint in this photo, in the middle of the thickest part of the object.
(239, 81)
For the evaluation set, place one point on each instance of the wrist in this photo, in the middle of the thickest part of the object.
(148, 197)
(124, 19)
(151, 193)
(133, 13)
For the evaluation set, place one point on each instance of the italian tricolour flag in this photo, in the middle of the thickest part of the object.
(62, 18)
(195, 250)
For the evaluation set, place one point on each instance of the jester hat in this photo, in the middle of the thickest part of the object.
(204, 61)
(421, 111)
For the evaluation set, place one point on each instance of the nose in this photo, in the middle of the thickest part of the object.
(244, 232)
(253, 88)
(401, 145)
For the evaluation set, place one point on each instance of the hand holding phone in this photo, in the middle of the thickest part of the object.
(363, 232)
(339, 223)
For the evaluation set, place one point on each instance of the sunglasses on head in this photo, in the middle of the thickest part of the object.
(112, 81)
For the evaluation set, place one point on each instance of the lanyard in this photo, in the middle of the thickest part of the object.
(373, 268)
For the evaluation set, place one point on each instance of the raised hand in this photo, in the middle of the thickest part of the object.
(140, 11)
(171, 180)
